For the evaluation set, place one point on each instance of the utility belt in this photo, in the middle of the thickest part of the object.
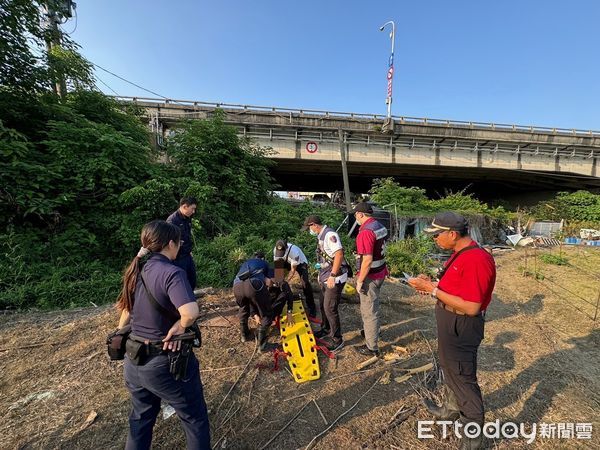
(324, 267)
(140, 351)
(248, 274)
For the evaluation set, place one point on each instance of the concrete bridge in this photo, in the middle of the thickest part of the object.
(498, 160)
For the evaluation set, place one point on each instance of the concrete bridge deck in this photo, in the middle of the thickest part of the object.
(306, 145)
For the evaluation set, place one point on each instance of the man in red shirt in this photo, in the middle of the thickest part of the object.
(462, 295)
(372, 270)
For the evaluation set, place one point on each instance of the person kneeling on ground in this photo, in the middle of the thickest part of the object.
(251, 291)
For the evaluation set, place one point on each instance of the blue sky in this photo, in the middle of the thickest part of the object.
(525, 62)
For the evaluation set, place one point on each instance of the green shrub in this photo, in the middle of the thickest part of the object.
(579, 206)
(51, 274)
(412, 201)
(219, 259)
(535, 274)
(411, 255)
(557, 260)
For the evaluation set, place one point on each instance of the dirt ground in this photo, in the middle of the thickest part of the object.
(539, 362)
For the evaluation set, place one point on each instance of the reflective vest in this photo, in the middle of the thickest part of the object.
(381, 234)
(324, 259)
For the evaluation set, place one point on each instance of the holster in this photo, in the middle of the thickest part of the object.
(194, 328)
(178, 361)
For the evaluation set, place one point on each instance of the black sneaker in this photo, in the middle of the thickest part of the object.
(333, 345)
(321, 333)
(366, 351)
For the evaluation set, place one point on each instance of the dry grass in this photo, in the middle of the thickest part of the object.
(539, 363)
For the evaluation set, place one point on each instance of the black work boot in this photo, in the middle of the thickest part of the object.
(245, 331)
(263, 334)
(470, 443)
(447, 411)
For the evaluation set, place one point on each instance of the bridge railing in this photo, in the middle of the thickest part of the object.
(361, 116)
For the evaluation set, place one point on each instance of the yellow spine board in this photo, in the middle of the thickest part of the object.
(298, 342)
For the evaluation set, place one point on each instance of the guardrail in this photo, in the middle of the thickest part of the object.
(338, 114)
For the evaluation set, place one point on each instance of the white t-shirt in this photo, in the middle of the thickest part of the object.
(295, 256)
(331, 244)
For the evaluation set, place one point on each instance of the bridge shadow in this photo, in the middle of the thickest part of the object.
(549, 381)
(500, 310)
(498, 357)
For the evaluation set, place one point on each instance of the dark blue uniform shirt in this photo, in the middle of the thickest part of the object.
(169, 286)
(259, 268)
(185, 225)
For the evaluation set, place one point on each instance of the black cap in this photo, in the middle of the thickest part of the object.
(311, 220)
(259, 254)
(363, 207)
(447, 221)
(280, 248)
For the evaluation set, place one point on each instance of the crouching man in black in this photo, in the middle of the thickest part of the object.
(251, 291)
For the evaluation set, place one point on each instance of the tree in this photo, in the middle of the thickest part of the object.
(234, 170)
(386, 191)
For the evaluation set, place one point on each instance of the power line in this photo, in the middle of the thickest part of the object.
(101, 81)
(130, 82)
(75, 28)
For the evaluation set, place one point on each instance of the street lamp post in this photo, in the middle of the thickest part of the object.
(390, 72)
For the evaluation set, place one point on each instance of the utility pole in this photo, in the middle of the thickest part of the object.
(57, 12)
(344, 170)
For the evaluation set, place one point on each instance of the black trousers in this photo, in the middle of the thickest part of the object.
(150, 383)
(187, 263)
(458, 341)
(255, 293)
(302, 270)
(330, 317)
(281, 296)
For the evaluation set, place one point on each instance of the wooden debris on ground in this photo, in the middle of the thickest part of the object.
(385, 378)
(89, 420)
(399, 349)
(413, 371)
(201, 292)
(367, 363)
(398, 418)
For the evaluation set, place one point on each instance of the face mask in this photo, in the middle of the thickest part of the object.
(312, 233)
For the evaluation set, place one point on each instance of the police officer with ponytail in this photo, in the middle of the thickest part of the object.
(159, 304)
